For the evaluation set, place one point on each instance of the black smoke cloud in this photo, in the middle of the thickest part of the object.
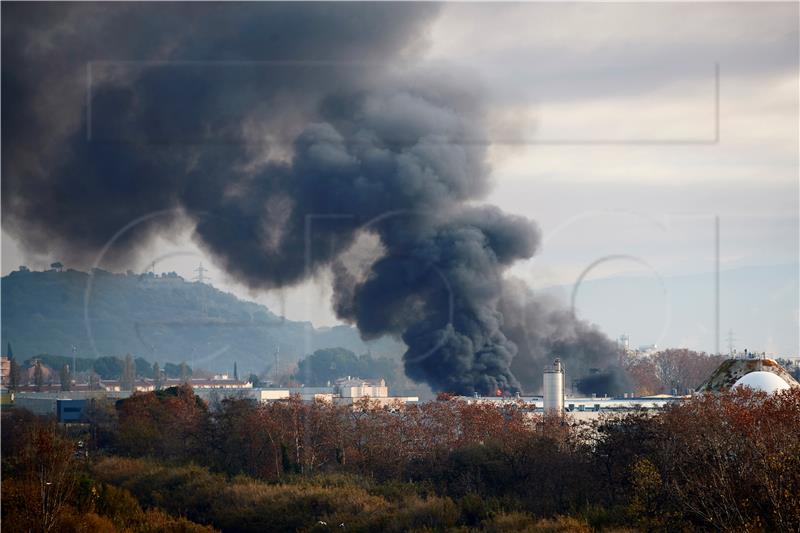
(542, 330)
(175, 87)
(280, 134)
(438, 287)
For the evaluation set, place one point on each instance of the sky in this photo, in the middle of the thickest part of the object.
(624, 130)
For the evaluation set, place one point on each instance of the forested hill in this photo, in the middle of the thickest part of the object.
(162, 318)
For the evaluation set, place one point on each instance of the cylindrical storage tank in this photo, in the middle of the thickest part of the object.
(553, 390)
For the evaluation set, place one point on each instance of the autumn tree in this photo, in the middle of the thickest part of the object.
(684, 369)
(732, 461)
(643, 376)
(243, 441)
(169, 423)
(39, 480)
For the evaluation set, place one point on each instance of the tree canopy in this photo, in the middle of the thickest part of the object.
(329, 364)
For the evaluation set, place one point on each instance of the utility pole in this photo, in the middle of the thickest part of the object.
(716, 284)
(74, 364)
(277, 353)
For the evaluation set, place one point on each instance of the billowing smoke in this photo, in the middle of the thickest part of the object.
(543, 330)
(281, 134)
(116, 112)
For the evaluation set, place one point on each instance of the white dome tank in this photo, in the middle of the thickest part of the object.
(762, 381)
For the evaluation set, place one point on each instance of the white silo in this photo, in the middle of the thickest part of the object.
(553, 390)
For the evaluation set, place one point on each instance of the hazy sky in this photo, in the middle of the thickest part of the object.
(610, 135)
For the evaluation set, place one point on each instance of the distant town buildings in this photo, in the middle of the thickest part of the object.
(5, 370)
(351, 387)
(624, 347)
(48, 398)
(70, 406)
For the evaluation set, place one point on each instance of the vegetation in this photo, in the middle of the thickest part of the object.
(47, 486)
(329, 364)
(728, 462)
(162, 318)
(670, 370)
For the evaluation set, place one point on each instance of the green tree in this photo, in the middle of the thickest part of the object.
(38, 376)
(142, 367)
(66, 378)
(128, 374)
(235, 372)
(254, 379)
(157, 376)
(171, 370)
(330, 364)
(326, 365)
(13, 370)
(108, 367)
(13, 376)
(186, 372)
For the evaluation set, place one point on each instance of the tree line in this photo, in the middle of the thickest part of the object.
(726, 462)
(43, 371)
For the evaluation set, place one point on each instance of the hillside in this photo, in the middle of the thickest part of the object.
(163, 318)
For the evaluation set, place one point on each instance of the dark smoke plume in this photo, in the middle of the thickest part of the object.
(543, 330)
(281, 134)
(112, 112)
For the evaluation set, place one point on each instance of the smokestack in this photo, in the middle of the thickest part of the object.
(553, 389)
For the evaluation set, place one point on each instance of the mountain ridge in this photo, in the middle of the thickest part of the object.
(159, 317)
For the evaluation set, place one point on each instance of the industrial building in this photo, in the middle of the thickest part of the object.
(5, 370)
(65, 406)
(579, 408)
(757, 372)
(70, 406)
(554, 400)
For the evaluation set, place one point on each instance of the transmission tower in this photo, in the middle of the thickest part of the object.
(731, 343)
(201, 274)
